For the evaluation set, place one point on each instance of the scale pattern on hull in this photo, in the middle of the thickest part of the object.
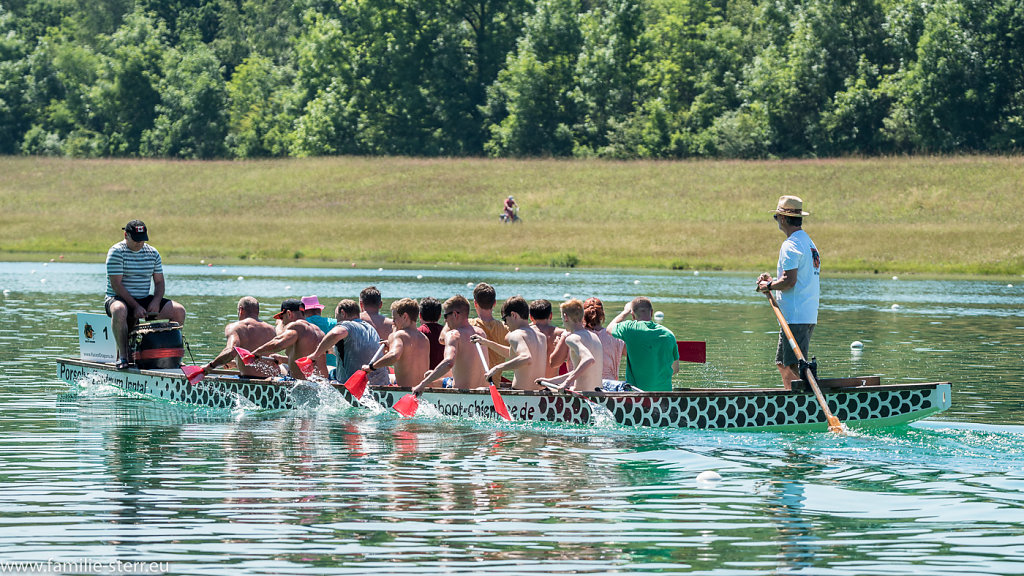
(707, 412)
(738, 410)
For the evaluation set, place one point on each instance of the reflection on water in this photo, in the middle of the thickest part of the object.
(93, 473)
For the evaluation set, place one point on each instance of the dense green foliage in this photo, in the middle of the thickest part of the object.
(609, 78)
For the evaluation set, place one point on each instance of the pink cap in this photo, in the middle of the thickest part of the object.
(312, 302)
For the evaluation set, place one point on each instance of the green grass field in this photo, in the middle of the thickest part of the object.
(959, 215)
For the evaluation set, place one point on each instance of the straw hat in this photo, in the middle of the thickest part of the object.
(791, 206)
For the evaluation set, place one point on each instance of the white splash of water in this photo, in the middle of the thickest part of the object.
(317, 396)
(369, 402)
(601, 416)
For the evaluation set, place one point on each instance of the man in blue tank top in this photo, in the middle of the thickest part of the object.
(798, 286)
(131, 266)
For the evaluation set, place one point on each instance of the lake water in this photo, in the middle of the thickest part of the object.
(94, 481)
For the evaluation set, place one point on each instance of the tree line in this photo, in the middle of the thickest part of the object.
(510, 78)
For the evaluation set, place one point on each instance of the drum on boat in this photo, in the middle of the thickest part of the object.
(157, 345)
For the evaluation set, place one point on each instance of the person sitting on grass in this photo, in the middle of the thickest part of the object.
(526, 350)
(584, 352)
(408, 348)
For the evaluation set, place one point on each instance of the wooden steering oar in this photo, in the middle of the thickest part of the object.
(834, 425)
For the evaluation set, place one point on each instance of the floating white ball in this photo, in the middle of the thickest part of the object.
(31, 271)
(241, 277)
(223, 270)
(1009, 285)
(47, 263)
(419, 276)
(517, 268)
(566, 295)
(287, 288)
(42, 281)
(696, 272)
(856, 345)
(566, 273)
(709, 476)
(380, 269)
(469, 284)
(636, 281)
(895, 277)
(895, 306)
(659, 316)
(7, 292)
(202, 261)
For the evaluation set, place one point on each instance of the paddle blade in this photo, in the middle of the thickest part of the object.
(244, 355)
(305, 364)
(693, 351)
(499, 404)
(194, 374)
(356, 385)
(834, 425)
(407, 405)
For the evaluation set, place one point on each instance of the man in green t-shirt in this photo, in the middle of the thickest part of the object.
(652, 356)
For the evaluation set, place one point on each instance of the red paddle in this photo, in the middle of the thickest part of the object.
(305, 365)
(194, 374)
(245, 356)
(693, 351)
(499, 404)
(407, 405)
(356, 383)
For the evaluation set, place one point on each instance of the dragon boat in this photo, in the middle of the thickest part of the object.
(858, 402)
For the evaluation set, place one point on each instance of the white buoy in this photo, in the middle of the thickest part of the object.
(1009, 285)
(517, 268)
(659, 316)
(241, 277)
(202, 261)
(636, 281)
(566, 295)
(223, 270)
(287, 288)
(696, 272)
(419, 276)
(42, 281)
(708, 476)
(895, 277)
(469, 284)
(856, 345)
(380, 269)
(47, 263)
(7, 293)
(31, 271)
(895, 306)
(566, 273)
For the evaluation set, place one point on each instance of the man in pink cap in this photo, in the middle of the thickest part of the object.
(313, 307)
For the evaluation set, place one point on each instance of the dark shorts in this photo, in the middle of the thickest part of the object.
(144, 302)
(802, 333)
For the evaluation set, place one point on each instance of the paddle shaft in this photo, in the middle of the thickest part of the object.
(483, 360)
(834, 425)
(557, 389)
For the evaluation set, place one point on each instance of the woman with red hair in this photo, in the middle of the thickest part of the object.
(614, 349)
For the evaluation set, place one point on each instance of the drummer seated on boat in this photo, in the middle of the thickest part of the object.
(131, 265)
(527, 348)
(249, 332)
(408, 348)
(460, 356)
(585, 352)
(297, 338)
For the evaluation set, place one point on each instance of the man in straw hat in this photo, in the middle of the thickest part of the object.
(797, 286)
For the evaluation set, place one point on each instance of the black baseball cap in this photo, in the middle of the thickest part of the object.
(290, 305)
(137, 230)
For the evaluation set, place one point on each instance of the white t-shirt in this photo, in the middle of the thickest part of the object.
(800, 304)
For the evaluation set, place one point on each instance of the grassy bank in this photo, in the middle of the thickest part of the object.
(926, 215)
